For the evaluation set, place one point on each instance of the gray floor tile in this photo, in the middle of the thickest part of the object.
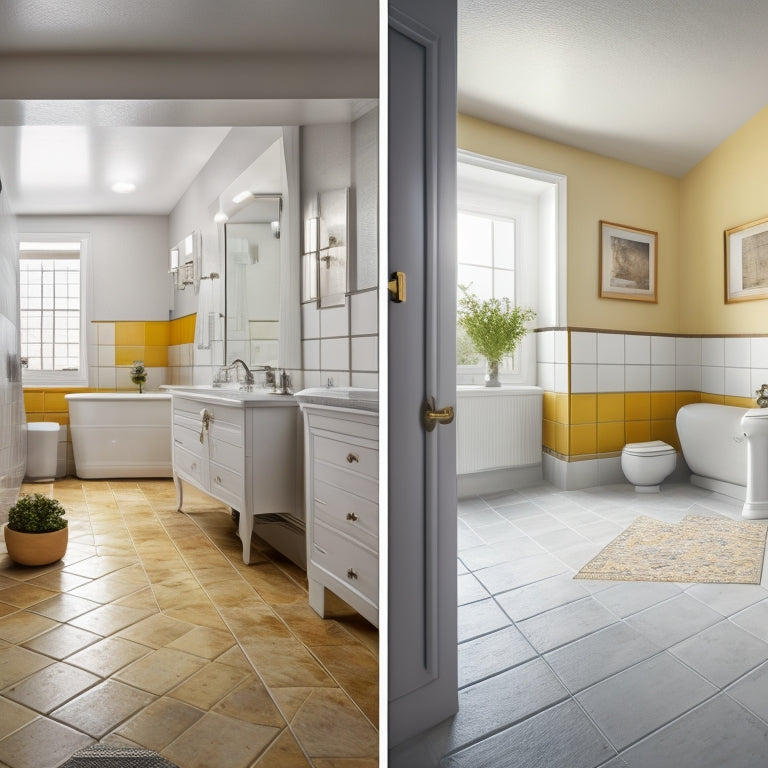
(718, 734)
(490, 654)
(470, 590)
(565, 624)
(526, 570)
(750, 691)
(559, 538)
(479, 618)
(600, 655)
(722, 653)
(645, 697)
(470, 504)
(601, 532)
(521, 509)
(577, 556)
(560, 737)
(754, 619)
(502, 498)
(538, 523)
(674, 620)
(466, 538)
(502, 701)
(633, 596)
(524, 602)
(488, 555)
(728, 599)
(477, 518)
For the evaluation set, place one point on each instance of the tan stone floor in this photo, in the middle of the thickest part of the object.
(153, 632)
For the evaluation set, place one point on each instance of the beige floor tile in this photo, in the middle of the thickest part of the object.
(351, 736)
(144, 598)
(103, 708)
(62, 641)
(21, 626)
(156, 630)
(6, 609)
(159, 724)
(13, 716)
(273, 585)
(215, 738)
(208, 686)
(251, 702)
(108, 655)
(161, 670)
(290, 699)
(309, 627)
(17, 663)
(203, 614)
(108, 619)
(59, 580)
(284, 752)
(49, 688)
(6, 582)
(235, 658)
(357, 671)
(42, 744)
(344, 762)
(24, 595)
(204, 641)
(95, 567)
(285, 663)
(113, 586)
(64, 607)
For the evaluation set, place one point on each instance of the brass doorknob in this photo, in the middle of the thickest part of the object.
(431, 416)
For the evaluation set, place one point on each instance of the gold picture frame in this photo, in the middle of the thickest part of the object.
(746, 262)
(628, 263)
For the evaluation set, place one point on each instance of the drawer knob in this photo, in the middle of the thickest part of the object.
(352, 516)
(218, 479)
(351, 573)
(353, 458)
(194, 465)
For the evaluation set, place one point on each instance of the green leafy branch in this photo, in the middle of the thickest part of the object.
(494, 326)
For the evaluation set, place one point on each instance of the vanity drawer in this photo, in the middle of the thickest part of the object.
(353, 482)
(353, 515)
(227, 424)
(343, 453)
(188, 463)
(227, 454)
(227, 486)
(187, 438)
(348, 563)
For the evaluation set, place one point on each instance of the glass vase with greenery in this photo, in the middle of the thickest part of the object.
(494, 326)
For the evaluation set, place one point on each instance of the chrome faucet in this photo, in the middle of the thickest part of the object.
(248, 374)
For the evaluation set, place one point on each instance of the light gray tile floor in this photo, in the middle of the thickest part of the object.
(570, 673)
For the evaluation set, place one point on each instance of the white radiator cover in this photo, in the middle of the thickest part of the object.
(497, 428)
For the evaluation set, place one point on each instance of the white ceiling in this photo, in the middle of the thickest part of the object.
(658, 83)
(61, 156)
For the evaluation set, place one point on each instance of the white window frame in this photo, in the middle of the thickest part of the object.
(77, 378)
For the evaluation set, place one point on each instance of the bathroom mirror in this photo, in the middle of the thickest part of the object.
(253, 257)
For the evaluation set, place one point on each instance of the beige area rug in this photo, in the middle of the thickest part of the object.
(697, 549)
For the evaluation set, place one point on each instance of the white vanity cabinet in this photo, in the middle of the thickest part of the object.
(341, 457)
(240, 448)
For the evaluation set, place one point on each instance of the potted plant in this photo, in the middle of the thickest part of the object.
(36, 533)
(494, 326)
(139, 374)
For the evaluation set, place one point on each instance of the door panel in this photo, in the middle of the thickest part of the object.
(421, 360)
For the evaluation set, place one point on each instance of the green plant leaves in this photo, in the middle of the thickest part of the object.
(36, 514)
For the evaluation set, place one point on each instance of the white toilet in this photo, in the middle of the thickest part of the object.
(647, 465)
(755, 426)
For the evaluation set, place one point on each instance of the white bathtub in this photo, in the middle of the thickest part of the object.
(121, 434)
(714, 447)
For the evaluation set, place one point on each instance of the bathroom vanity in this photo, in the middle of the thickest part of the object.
(341, 454)
(239, 447)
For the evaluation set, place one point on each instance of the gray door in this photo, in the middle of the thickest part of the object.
(422, 364)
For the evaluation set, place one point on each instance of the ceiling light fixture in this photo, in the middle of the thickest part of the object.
(241, 196)
(123, 187)
(221, 217)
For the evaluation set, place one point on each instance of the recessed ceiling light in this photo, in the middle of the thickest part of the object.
(123, 187)
(241, 196)
(221, 217)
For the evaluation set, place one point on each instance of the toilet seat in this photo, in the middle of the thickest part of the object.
(651, 448)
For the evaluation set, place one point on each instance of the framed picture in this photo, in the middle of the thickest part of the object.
(628, 260)
(746, 262)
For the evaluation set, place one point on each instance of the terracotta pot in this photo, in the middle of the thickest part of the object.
(36, 548)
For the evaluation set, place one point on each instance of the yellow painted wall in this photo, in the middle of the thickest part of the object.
(598, 188)
(725, 190)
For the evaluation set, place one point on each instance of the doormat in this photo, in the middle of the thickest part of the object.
(697, 549)
(117, 756)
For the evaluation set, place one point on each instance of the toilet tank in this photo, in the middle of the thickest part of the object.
(713, 441)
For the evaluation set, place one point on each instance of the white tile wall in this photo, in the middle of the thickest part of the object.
(713, 379)
(334, 354)
(712, 351)
(561, 347)
(758, 353)
(610, 378)
(311, 354)
(364, 313)
(583, 378)
(662, 377)
(334, 322)
(365, 353)
(610, 348)
(310, 320)
(737, 382)
(662, 350)
(545, 347)
(736, 353)
(688, 351)
(637, 350)
(583, 347)
(637, 378)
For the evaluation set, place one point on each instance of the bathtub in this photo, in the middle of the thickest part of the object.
(714, 447)
(121, 434)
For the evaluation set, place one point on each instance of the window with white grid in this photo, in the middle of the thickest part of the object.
(50, 296)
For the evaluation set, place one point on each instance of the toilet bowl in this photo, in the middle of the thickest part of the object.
(646, 465)
(42, 445)
(755, 425)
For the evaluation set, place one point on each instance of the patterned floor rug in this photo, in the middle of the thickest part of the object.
(697, 549)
